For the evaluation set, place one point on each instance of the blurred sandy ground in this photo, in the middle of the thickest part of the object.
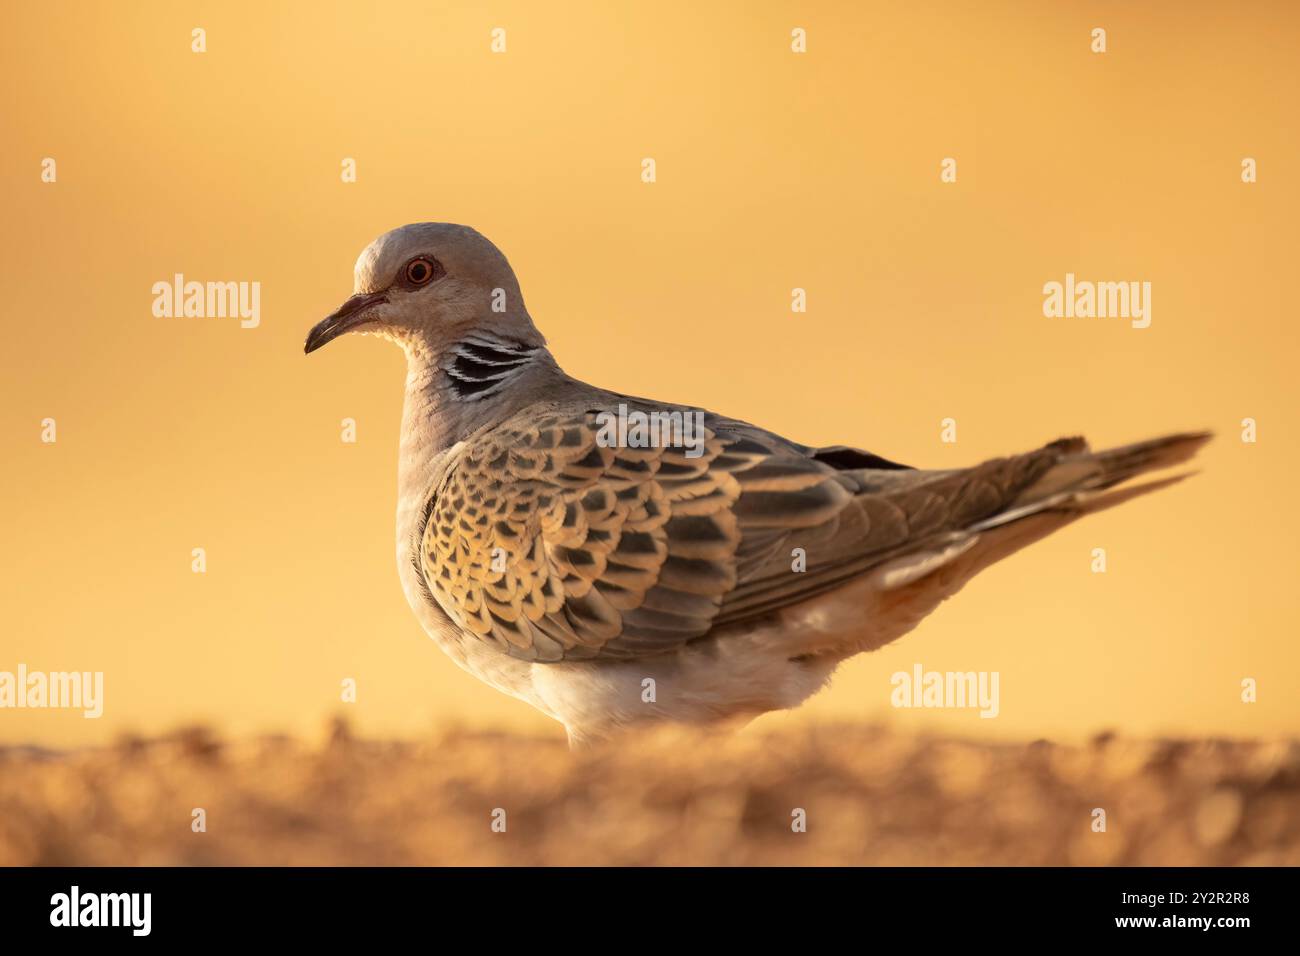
(871, 795)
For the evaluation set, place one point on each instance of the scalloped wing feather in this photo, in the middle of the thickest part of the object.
(549, 545)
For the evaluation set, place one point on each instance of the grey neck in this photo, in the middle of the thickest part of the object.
(452, 393)
(473, 382)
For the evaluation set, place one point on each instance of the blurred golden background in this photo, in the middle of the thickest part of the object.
(775, 170)
(844, 794)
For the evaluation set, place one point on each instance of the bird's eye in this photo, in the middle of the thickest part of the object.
(420, 271)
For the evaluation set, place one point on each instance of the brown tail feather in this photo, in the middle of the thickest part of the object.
(1124, 462)
(1081, 470)
(1082, 483)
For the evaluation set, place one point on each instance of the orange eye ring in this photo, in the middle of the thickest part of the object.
(420, 271)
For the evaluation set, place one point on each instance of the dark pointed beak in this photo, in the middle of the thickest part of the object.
(354, 312)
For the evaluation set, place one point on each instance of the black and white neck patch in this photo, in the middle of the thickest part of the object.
(481, 365)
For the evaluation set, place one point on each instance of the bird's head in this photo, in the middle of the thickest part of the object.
(428, 284)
